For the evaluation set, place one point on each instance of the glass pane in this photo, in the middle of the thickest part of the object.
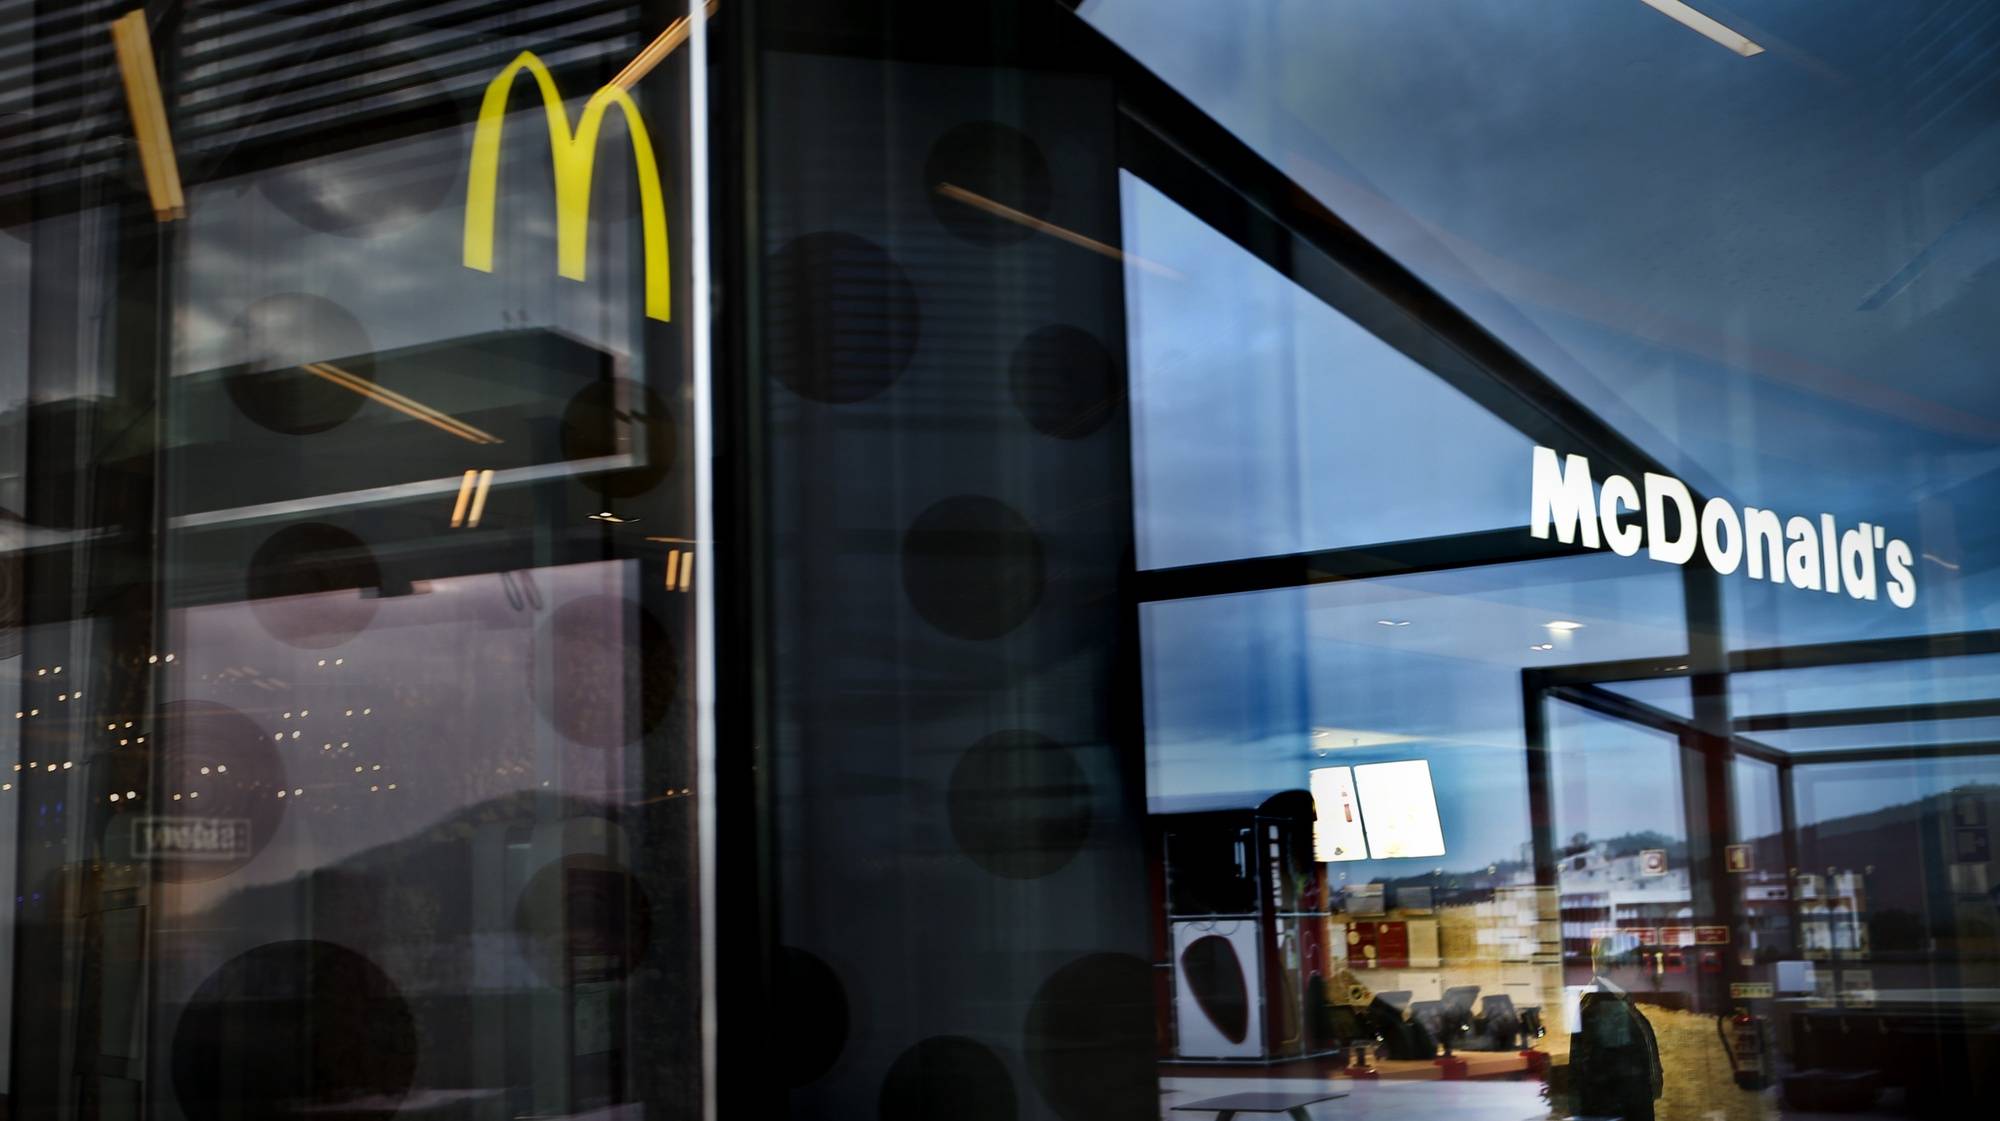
(585, 560)
(346, 464)
(1874, 685)
(1263, 418)
(1331, 714)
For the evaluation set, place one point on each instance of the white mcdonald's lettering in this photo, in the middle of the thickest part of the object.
(574, 155)
(1808, 553)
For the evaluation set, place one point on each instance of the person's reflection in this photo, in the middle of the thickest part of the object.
(1614, 1058)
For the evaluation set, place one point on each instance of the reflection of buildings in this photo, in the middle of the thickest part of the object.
(1935, 923)
(1601, 889)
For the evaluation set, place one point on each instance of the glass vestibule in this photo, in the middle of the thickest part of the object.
(1629, 800)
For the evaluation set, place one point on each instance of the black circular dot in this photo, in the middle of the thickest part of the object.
(590, 643)
(619, 417)
(584, 911)
(1089, 1041)
(305, 585)
(973, 567)
(948, 1078)
(1019, 804)
(814, 1005)
(208, 779)
(995, 162)
(844, 317)
(294, 1029)
(1064, 381)
(276, 339)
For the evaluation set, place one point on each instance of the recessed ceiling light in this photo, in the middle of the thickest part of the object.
(1694, 21)
(1543, 646)
(1392, 622)
(1563, 625)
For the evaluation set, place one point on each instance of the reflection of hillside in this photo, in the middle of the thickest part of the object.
(1935, 804)
(1879, 836)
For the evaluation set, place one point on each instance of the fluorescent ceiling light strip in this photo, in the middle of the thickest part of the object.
(400, 403)
(479, 499)
(464, 496)
(133, 44)
(1002, 210)
(135, 100)
(656, 51)
(1689, 18)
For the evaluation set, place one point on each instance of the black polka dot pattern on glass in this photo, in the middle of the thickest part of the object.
(948, 1078)
(1064, 382)
(844, 318)
(280, 340)
(973, 567)
(291, 1030)
(306, 585)
(997, 163)
(1019, 804)
(1088, 1040)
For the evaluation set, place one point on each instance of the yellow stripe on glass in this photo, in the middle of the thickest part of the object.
(574, 156)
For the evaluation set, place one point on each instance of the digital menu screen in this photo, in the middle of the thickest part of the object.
(1337, 833)
(1401, 814)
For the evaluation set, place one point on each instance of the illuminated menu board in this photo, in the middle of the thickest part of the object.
(1337, 834)
(1401, 809)
(1378, 810)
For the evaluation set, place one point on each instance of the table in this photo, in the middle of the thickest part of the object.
(1294, 1103)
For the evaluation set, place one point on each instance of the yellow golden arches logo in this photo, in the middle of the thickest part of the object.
(574, 157)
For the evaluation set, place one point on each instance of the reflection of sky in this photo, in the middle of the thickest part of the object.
(1869, 685)
(406, 284)
(1758, 807)
(1266, 422)
(1236, 684)
(1571, 162)
(1611, 777)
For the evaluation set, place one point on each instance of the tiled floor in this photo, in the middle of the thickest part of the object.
(1421, 1101)
(1368, 1101)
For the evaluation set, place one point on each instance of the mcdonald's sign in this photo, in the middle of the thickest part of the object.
(574, 154)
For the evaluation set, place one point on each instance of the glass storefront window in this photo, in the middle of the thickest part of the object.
(350, 575)
(1022, 560)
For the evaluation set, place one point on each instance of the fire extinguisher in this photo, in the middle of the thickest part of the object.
(1745, 1039)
